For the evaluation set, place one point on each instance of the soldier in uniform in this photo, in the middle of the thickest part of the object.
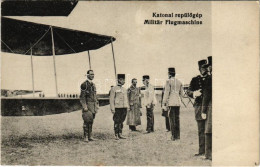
(171, 100)
(134, 114)
(194, 91)
(119, 105)
(89, 102)
(149, 102)
(207, 110)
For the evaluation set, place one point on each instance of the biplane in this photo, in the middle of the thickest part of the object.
(33, 39)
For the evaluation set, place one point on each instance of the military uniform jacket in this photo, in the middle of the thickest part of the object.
(118, 98)
(88, 96)
(196, 84)
(207, 103)
(149, 96)
(172, 92)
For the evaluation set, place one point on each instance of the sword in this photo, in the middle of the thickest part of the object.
(183, 102)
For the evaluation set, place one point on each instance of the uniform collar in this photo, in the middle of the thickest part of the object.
(90, 81)
(203, 76)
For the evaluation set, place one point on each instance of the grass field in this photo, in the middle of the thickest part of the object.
(57, 140)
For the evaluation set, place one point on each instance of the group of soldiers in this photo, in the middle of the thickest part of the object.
(126, 103)
(123, 103)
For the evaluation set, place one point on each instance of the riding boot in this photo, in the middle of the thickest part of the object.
(85, 131)
(116, 129)
(121, 136)
(120, 130)
(90, 137)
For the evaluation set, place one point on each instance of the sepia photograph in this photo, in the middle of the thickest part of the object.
(111, 83)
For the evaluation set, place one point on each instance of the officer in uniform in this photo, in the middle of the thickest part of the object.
(171, 100)
(119, 105)
(89, 102)
(195, 91)
(149, 102)
(207, 110)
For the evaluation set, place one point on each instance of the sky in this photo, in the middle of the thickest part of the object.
(139, 49)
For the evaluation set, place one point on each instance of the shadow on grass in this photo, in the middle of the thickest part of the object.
(26, 141)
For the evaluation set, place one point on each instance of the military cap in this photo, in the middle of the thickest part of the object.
(202, 63)
(88, 72)
(146, 77)
(120, 76)
(210, 60)
(171, 70)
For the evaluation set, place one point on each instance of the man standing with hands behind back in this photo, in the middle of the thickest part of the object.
(195, 91)
(119, 105)
(171, 99)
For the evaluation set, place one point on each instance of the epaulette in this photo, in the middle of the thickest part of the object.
(83, 86)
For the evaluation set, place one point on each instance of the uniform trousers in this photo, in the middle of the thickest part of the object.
(208, 145)
(150, 119)
(119, 118)
(201, 134)
(174, 119)
(87, 126)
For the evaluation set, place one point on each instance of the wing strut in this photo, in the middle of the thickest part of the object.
(113, 57)
(53, 53)
(89, 60)
(32, 73)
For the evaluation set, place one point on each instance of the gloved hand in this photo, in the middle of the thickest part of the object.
(148, 106)
(204, 116)
(197, 93)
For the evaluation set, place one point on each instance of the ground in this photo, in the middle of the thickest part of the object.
(57, 140)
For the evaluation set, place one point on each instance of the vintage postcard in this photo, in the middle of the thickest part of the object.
(129, 83)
